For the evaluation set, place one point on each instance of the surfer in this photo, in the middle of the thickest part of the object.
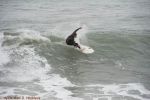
(70, 39)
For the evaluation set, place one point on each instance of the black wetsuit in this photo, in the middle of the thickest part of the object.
(70, 39)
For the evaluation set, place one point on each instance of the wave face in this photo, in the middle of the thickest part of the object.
(42, 65)
(35, 60)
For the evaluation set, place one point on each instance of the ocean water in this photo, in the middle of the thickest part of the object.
(35, 61)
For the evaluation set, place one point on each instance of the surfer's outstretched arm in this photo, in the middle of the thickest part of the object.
(76, 30)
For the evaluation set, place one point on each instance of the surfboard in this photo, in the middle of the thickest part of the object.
(86, 49)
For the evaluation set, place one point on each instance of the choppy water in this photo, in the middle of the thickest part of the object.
(35, 61)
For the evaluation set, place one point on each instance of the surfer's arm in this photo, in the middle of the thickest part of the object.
(76, 30)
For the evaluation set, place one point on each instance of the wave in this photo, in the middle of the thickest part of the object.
(26, 71)
(23, 37)
(29, 69)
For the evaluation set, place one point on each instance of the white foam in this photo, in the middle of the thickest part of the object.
(28, 66)
(25, 35)
(3, 54)
(33, 36)
(4, 57)
(122, 90)
(5, 91)
(56, 84)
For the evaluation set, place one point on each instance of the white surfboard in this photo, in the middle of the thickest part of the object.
(85, 49)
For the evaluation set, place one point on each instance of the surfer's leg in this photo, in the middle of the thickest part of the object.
(76, 45)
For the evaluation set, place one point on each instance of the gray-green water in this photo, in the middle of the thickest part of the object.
(35, 61)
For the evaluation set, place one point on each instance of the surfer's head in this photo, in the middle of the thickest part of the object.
(75, 35)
